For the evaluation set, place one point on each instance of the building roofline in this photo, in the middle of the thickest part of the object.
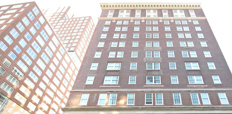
(150, 5)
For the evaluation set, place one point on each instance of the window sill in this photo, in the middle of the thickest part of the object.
(153, 85)
(195, 85)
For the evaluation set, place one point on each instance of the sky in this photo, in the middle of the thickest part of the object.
(218, 14)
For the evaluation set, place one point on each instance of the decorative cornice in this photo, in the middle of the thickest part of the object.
(153, 5)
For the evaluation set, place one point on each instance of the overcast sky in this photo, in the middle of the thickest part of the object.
(217, 12)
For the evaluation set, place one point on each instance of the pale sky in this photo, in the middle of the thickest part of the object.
(217, 12)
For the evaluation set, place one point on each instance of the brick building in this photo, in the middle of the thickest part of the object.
(152, 58)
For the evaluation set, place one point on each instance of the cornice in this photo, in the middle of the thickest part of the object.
(153, 5)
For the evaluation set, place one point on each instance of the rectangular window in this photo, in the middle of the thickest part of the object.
(169, 44)
(223, 99)
(205, 99)
(159, 98)
(134, 54)
(211, 65)
(14, 33)
(31, 53)
(30, 15)
(153, 66)
(172, 65)
(120, 54)
(113, 66)
(167, 28)
(216, 79)
(192, 13)
(20, 26)
(2, 70)
(105, 29)
(136, 35)
(130, 99)
(112, 99)
(136, 28)
(124, 28)
(123, 35)
(135, 44)
(153, 80)
(155, 35)
(192, 66)
(200, 35)
(6, 62)
(148, 98)
(22, 66)
(117, 28)
(195, 80)
(84, 99)
(171, 54)
(155, 28)
(90, 80)
(112, 54)
(110, 13)
(132, 80)
(111, 80)
(195, 98)
(26, 21)
(174, 79)
(207, 54)
(197, 28)
(102, 99)
(94, 66)
(151, 13)
(97, 55)
(6, 88)
(165, 13)
(103, 35)
(133, 66)
(177, 99)
(203, 44)
(101, 44)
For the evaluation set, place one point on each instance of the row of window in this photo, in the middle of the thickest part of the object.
(152, 35)
(196, 99)
(153, 28)
(154, 79)
(150, 54)
(153, 22)
(152, 13)
(151, 44)
(155, 66)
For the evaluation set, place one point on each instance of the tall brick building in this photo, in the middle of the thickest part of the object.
(36, 71)
(152, 58)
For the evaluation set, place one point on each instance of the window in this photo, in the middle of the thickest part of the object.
(165, 13)
(136, 28)
(124, 13)
(123, 35)
(171, 54)
(3, 46)
(197, 28)
(205, 99)
(84, 99)
(107, 22)
(135, 35)
(2, 70)
(12, 55)
(112, 99)
(97, 55)
(207, 53)
(130, 99)
(148, 35)
(177, 99)
(148, 98)
(159, 98)
(223, 99)
(110, 13)
(117, 28)
(102, 99)
(195, 98)
(211, 65)
(17, 49)
(134, 54)
(14, 33)
(101, 44)
(132, 79)
(178, 13)
(113, 66)
(124, 28)
(137, 13)
(192, 66)
(195, 80)
(31, 53)
(168, 35)
(137, 22)
(26, 21)
(172, 65)
(22, 66)
(28, 36)
(111, 80)
(103, 35)
(167, 28)
(153, 80)
(166, 22)
(195, 22)
(30, 15)
(6, 62)
(155, 35)
(37, 25)
(169, 44)
(174, 79)
(41, 19)
(200, 35)
(20, 26)
(23, 43)
(27, 59)
(90, 80)
(35, 10)
(8, 40)
(148, 28)
(216, 79)
(153, 66)
(94, 66)
(151, 13)
(155, 28)
(6, 88)
(191, 53)
(135, 44)
(192, 13)
(133, 66)
(120, 54)
(105, 29)
(203, 44)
